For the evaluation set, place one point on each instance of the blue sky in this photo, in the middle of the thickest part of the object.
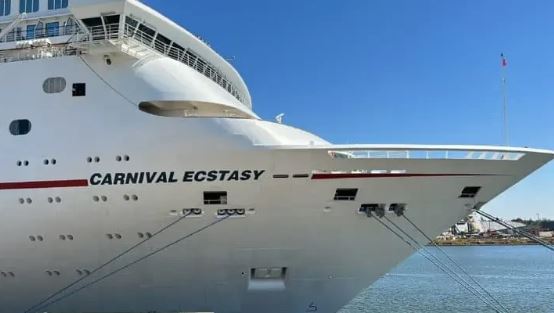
(395, 71)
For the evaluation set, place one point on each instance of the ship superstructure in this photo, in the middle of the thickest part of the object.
(136, 177)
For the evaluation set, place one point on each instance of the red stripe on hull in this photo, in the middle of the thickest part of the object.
(44, 184)
(369, 175)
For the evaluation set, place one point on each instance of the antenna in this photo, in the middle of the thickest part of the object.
(504, 63)
(279, 118)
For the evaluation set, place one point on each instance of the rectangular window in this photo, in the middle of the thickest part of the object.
(130, 26)
(31, 31)
(215, 197)
(28, 6)
(5, 7)
(176, 51)
(52, 29)
(112, 25)
(57, 4)
(346, 194)
(145, 34)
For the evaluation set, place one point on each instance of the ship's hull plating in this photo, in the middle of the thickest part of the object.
(330, 250)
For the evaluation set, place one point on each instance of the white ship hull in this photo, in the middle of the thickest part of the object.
(90, 202)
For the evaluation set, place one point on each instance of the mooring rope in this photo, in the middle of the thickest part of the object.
(103, 265)
(437, 264)
(128, 265)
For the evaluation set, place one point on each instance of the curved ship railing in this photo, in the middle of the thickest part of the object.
(132, 36)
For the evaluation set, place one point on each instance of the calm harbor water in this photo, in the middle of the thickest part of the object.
(521, 277)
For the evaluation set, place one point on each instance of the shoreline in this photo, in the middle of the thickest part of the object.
(489, 242)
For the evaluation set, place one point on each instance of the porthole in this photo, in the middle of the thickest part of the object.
(95, 198)
(126, 197)
(54, 85)
(134, 197)
(40, 238)
(96, 159)
(46, 162)
(89, 160)
(62, 237)
(104, 198)
(26, 163)
(19, 163)
(70, 237)
(20, 127)
(118, 158)
(50, 200)
(28, 200)
(58, 199)
(126, 158)
(53, 161)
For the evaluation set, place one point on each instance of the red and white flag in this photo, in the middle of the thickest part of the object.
(504, 61)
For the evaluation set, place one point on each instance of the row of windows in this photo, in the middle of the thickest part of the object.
(42, 30)
(57, 4)
(37, 31)
(30, 6)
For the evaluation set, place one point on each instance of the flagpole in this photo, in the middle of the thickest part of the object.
(505, 101)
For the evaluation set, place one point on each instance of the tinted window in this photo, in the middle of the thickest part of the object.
(5, 7)
(31, 31)
(28, 6)
(57, 4)
(52, 29)
(54, 85)
(20, 127)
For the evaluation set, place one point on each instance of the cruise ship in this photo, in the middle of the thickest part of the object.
(136, 177)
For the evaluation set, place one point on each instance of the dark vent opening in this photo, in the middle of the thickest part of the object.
(79, 90)
(215, 197)
(470, 192)
(346, 194)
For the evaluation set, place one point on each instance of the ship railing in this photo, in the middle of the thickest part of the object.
(131, 35)
(40, 33)
(43, 53)
(427, 154)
